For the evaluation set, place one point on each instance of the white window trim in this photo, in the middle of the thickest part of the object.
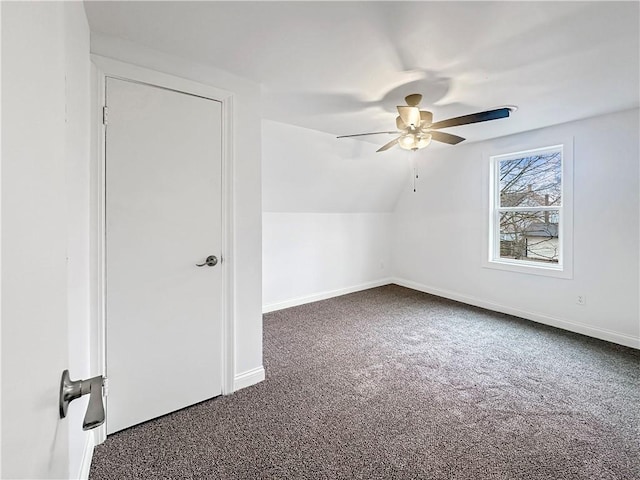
(564, 269)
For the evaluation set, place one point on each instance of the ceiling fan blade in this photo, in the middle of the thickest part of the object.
(410, 115)
(425, 118)
(446, 138)
(387, 146)
(394, 132)
(473, 118)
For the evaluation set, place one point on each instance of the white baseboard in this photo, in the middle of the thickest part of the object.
(100, 433)
(87, 456)
(576, 327)
(294, 302)
(248, 378)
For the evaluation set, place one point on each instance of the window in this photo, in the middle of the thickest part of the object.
(528, 218)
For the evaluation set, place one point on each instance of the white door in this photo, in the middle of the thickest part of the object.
(163, 216)
(35, 349)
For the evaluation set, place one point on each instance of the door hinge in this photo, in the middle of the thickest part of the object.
(105, 386)
(105, 115)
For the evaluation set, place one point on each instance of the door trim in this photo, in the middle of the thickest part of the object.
(107, 67)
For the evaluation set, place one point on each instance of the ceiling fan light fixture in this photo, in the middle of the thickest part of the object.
(423, 141)
(408, 142)
(413, 141)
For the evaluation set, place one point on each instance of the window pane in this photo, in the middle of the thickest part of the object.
(531, 181)
(531, 236)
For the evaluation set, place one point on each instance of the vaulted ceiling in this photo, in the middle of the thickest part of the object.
(341, 67)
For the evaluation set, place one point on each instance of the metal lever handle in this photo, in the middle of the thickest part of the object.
(72, 389)
(211, 261)
(95, 411)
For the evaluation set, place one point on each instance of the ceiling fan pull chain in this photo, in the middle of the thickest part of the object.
(414, 168)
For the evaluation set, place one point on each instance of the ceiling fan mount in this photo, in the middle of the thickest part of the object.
(413, 100)
(416, 129)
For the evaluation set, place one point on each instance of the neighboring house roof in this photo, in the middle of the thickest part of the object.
(527, 198)
(539, 229)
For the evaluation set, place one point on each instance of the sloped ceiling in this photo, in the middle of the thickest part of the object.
(332, 68)
(308, 171)
(341, 67)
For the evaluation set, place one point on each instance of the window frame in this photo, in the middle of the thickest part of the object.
(492, 259)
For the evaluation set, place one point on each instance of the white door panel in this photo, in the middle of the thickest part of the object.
(163, 215)
(35, 350)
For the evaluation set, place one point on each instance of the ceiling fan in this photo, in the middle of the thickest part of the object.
(415, 127)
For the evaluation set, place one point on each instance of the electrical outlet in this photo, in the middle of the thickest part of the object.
(581, 300)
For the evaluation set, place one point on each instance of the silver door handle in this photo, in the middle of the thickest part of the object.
(211, 261)
(72, 389)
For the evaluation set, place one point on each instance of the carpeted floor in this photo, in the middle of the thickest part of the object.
(391, 383)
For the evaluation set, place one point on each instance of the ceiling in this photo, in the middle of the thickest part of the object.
(342, 67)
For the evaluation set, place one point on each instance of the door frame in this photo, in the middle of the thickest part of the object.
(107, 67)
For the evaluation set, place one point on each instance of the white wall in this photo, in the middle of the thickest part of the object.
(327, 207)
(311, 256)
(45, 62)
(246, 261)
(439, 231)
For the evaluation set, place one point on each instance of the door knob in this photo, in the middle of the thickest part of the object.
(211, 261)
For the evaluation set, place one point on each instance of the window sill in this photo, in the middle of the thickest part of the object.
(555, 271)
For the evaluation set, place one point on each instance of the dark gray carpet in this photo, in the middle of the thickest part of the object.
(390, 383)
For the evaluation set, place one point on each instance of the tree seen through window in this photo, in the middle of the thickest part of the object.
(529, 210)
